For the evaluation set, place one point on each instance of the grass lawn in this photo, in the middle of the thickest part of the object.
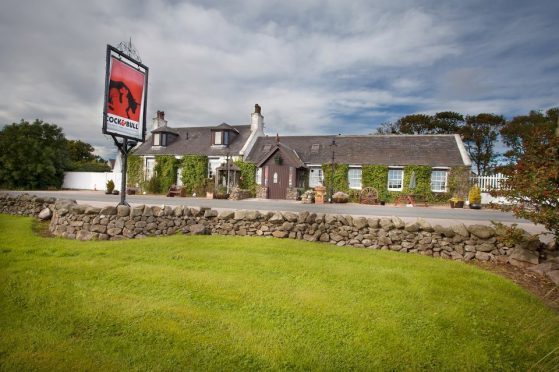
(215, 303)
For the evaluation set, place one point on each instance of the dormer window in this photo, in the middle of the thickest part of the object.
(218, 138)
(223, 135)
(159, 139)
(221, 138)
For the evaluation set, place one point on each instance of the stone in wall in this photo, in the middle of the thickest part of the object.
(458, 242)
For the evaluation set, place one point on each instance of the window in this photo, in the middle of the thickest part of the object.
(315, 177)
(439, 179)
(259, 176)
(315, 148)
(217, 138)
(275, 177)
(354, 176)
(395, 179)
(266, 148)
(226, 138)
(159, 139)
(150, 165)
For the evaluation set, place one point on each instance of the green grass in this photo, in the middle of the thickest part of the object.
(229, 303)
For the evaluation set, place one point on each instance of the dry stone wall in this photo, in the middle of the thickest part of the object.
(459, 242)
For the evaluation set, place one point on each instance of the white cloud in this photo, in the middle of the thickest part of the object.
(312, 65)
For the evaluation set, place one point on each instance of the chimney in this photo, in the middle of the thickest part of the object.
(159, 120)
(257, 120)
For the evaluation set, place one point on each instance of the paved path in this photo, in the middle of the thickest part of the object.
(435, 214)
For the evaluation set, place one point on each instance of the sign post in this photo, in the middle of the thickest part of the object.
(124, 109)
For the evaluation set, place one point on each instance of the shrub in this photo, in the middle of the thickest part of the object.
(474, 196)
(110, 186)
(194, 173)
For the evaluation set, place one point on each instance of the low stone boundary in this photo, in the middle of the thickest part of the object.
(459, 242)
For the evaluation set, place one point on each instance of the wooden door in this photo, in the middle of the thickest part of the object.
(278, 181)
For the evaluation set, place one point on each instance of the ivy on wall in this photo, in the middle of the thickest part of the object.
(376, 176)
(422, 180)
(135, 171)
(459, 181)
(341, 181)
(248, 176)
(194, 173)
(166, 171)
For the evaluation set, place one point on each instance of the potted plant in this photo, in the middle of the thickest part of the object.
(456, 202)
(221, 193)
(110, 186)
(210, 188)
(474, 197)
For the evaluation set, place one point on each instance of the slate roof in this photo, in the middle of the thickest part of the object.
(196, 141)
(432, 150)
(292, 156)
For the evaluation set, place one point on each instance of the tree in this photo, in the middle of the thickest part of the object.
(533, 182)
(83, 159)
(447, 122)
(515, 131)
(33, 156)
(480, 133)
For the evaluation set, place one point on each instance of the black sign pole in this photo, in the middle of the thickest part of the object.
(124, 149)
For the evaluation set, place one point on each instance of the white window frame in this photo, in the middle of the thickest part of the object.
(150, 168)
(157, 139)
(259, 176)
(218, 139)
(316, 177)
(444, 181)
(354, 173)
(394, 180)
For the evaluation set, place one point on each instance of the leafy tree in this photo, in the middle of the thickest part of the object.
(33, 156)
(80, 151)
(515, 131)
(446, 122)
(83, 159)
(480, 133)
(533, 182)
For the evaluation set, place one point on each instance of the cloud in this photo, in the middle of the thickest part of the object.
(314, 66)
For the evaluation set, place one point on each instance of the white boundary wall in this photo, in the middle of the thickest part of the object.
(90, 180)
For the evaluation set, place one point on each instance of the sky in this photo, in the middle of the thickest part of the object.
(315, 67)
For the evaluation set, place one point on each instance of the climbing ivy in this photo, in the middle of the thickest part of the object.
(341, 181)
(194, 173)
(376, 176)
(459, 181)
(422, 180)
(166, 171)
(135, 172)
(248, 175)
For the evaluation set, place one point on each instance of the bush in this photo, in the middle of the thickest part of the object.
(110, 186)
(340, 197)
(474, 196)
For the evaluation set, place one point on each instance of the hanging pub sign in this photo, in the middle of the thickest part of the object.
(126, 81)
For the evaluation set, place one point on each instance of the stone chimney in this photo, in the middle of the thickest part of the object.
(159, 120)
(257, 120)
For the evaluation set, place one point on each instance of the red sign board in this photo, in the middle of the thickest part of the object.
(125, 96)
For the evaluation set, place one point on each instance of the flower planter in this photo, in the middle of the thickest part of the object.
(457, 204)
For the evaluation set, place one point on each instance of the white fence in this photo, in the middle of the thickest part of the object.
(489, 182)
(90, 180)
